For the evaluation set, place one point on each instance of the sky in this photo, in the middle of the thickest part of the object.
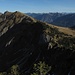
(37, 6)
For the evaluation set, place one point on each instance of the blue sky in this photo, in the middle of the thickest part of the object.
(37, 6)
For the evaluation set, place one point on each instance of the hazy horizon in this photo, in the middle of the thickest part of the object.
(38, 6)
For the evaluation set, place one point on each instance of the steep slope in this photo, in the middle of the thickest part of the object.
(69, 31)
(8, 19)
(27, 41)
(65, 21)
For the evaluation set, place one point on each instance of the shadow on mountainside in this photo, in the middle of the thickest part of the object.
(24, 44)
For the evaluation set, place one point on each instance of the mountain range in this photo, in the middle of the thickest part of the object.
(25, 41)
(59, 19)
(46, 17)
(65, 21)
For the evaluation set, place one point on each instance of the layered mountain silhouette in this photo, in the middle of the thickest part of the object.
(46, 17)
(25, 41)
(59, 19)
(65, 21)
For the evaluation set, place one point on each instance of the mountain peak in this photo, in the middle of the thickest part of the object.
(9, 19)
(7, 13)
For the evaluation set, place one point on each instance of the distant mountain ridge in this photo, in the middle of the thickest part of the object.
(59, 19)
(46, 17)
(65, 21)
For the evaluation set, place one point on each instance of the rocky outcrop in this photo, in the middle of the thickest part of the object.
(9, 19)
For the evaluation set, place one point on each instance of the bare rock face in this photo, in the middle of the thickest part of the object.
(9, 19)
(25, 41)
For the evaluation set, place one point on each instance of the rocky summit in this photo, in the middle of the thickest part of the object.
(25, 41)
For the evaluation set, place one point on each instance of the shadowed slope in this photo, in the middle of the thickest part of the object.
(29, 41)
